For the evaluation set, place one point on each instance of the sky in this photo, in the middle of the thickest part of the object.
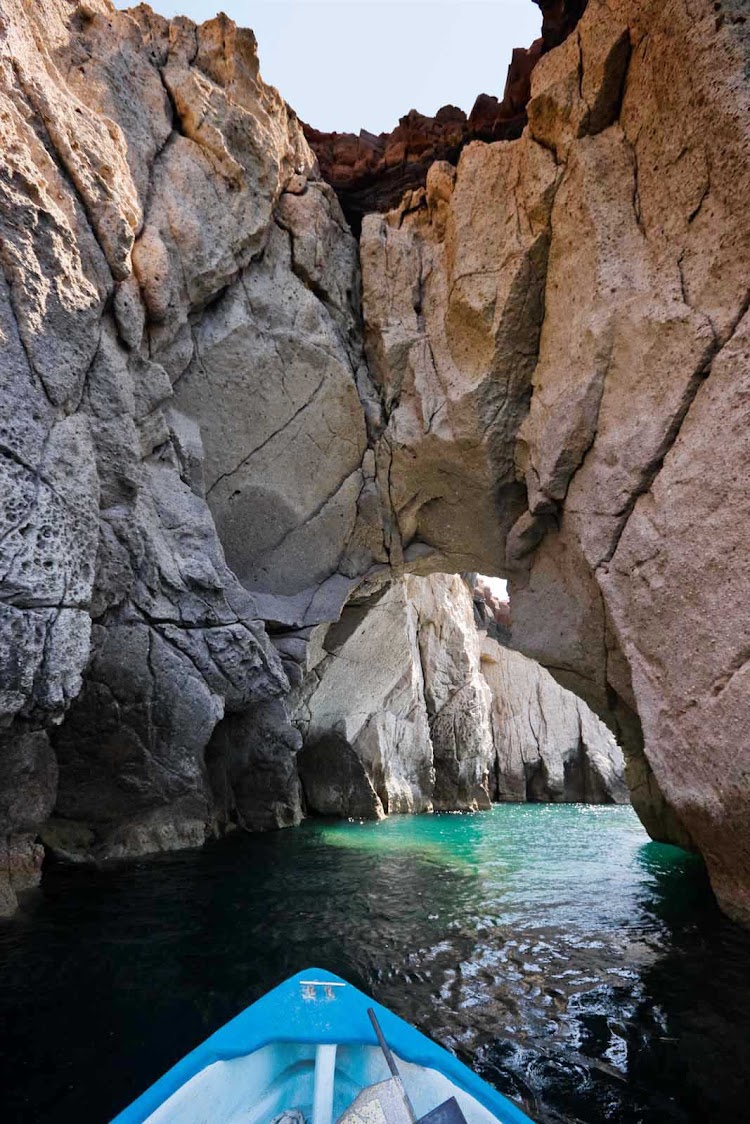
(349, 64)
(499, 586)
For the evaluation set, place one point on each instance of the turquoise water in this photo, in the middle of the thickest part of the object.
(577, 966)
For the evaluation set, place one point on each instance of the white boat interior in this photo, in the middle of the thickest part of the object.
(320, 1081)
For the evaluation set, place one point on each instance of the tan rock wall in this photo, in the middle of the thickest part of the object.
(591, 279)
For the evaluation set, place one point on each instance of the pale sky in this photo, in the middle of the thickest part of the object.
(499, 586)
(350, 64)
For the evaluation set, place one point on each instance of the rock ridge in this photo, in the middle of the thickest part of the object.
(372, 172)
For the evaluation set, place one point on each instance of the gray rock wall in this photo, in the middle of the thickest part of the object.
(364, 687)
(549, 745)
(142, 162)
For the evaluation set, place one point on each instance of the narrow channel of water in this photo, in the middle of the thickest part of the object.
(574, 964)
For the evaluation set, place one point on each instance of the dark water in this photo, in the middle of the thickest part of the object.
(577, 966)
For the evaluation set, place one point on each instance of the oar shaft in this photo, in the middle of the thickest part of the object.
(388, 1055)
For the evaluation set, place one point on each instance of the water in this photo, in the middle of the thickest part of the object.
(575, 965)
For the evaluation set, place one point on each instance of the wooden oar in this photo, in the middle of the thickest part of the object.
(449, 1112)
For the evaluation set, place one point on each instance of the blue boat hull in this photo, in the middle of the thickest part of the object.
(270, 1057)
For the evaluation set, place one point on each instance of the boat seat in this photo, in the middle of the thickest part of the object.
(325, 1070)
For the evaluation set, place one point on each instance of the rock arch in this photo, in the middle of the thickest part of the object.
(541, 374)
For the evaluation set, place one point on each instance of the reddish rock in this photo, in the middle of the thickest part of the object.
(371, 173)
(499, 610)
(559, 18)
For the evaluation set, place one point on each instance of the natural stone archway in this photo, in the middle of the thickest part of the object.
(453, 339)
(211, 438)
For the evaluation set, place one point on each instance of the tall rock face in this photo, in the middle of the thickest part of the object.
(456, 695)
(566, 317)
(162, 220)
(549, 745)
(408, 707)
(273, 380)
(216, 433)
(361, 709)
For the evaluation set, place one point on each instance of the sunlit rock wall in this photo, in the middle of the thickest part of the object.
(408, 707)
(151, 185)
(558, 328)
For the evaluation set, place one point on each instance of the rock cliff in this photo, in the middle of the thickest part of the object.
(558, 330)
(443, 716)
(216, 433)
(142, 162)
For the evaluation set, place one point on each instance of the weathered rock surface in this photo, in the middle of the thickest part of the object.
(252, 766)
(273, 380)
(455, 693)
(363, 695)
(336, 781)
(206, 447)
(452, 341)
(408, 707)
(28, 783)
(142, 162)
(549, 746)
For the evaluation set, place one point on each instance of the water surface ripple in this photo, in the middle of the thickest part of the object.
(577, 966)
